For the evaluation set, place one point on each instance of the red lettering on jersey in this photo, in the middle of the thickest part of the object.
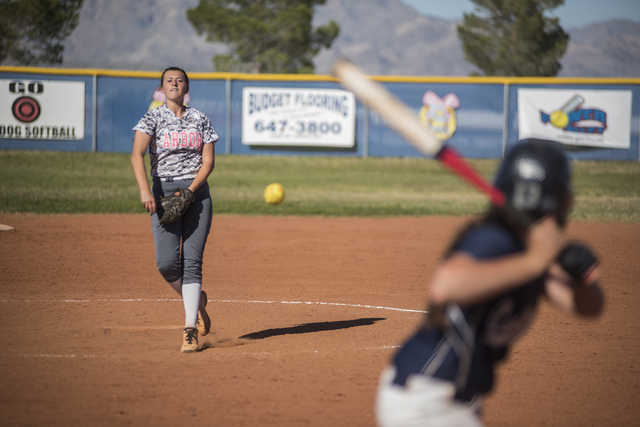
(185, 139)
(199, 143)
(192, 139)
(175, 139)
(167, 142)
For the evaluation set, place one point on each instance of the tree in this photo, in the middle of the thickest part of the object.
(514, 38)
(32, 31)
(264, 36)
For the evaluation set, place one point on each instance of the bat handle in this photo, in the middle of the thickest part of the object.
(453, 161)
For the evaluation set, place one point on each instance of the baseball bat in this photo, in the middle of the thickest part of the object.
(406, 122)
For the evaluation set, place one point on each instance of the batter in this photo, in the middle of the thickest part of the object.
(484, 295)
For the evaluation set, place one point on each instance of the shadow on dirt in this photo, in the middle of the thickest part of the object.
(312, 327)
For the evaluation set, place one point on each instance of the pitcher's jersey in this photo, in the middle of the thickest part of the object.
(176, 145)
(477, 337)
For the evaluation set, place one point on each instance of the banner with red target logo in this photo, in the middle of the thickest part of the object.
(42, 109)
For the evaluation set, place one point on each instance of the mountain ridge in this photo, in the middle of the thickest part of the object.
(383, 37)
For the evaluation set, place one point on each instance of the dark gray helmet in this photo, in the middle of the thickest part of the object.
(535, 177)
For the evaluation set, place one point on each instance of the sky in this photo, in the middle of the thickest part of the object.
(573, 14)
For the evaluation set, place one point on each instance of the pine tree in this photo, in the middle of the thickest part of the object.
(264, 36)
(32, 31)
(514, 38)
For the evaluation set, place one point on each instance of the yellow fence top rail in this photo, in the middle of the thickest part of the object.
(321, 77)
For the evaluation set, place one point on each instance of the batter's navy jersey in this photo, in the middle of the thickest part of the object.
(175, 149)
(474, 338)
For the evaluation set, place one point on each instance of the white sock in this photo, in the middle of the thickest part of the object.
(177, 286)
(191, 299)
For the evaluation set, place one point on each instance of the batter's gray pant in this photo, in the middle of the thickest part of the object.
(192, 230)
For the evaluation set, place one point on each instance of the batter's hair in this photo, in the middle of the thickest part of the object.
(175, 69)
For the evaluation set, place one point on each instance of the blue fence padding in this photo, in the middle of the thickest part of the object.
(122, 102)
(480, 132)
(479, 123)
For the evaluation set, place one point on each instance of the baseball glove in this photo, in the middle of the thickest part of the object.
(173, 207)
(578, 260)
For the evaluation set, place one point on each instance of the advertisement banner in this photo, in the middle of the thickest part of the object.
(32, 109)
(589, 118)
(300, 117)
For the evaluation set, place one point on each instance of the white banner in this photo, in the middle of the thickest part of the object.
(592, 118)
(302, 117)
(41, 109)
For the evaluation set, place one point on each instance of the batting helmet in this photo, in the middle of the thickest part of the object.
(535, 177)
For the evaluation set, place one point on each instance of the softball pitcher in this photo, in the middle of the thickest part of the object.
(180, 141)
(484, 294)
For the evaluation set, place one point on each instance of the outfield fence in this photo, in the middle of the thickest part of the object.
(255, 114)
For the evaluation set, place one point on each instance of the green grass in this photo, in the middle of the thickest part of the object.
(67, 182)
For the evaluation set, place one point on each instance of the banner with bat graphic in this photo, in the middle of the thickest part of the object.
(588, 118)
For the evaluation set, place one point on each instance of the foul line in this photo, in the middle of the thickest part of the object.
(223, 301)
(57, 356)
(82, 356)
(225, 354)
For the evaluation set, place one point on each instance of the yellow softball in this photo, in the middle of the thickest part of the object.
(274, 194)
(559, 119)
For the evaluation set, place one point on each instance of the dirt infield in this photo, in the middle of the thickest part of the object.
(306, 312)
